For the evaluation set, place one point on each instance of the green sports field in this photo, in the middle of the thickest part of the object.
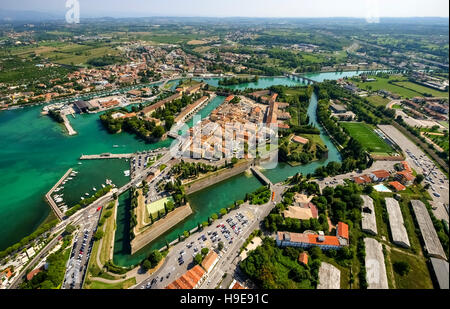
(367, 137)
(158, 205)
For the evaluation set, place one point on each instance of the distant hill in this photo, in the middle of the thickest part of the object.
(13, 16)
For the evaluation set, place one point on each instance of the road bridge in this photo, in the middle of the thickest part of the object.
(300, 78)
(261, 176)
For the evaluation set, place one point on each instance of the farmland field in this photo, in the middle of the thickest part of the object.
(367, 137)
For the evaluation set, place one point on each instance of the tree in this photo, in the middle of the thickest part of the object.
(419, 179)
(220, 246)
(205, 251)
(402, 268)
(146, 265)
(69, 229)
(198, 259)
(98, 235)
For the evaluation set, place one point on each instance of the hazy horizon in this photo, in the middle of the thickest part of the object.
(239, 8)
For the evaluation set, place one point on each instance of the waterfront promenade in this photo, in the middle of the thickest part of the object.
(50, 200)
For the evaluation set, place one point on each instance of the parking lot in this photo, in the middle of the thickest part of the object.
(81, 251)
(227, 230)
(417, 160)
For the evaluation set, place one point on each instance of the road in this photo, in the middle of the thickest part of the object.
(417, 160)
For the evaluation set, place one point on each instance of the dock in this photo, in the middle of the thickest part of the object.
(49, 199)
(107, 156)
(67, 124)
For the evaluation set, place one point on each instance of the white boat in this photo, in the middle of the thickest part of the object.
(82, 198)
(69, 178)
(126, 173)
(87, 194)
(115, 146)
(80, 163)
(103, 185)
(94, 189)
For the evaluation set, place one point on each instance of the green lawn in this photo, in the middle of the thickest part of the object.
(418, 276)
(423, 89)
(121, 285)
(382, 84)
(377, 100)
(367, 137)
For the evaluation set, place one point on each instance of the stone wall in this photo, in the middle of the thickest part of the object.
(216, 177)
(159, 227)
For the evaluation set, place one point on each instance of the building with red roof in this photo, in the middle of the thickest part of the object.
(380, 175)
(363, 179)
(190, 280)
(307, 240)
(397, 186)
(303, 258)
(405, 177)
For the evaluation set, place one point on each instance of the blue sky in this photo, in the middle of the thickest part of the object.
(244, 8)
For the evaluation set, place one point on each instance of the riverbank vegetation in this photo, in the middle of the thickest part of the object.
(52, 277)
(238, 80)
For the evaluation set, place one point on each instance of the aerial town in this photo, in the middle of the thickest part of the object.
(179, 153)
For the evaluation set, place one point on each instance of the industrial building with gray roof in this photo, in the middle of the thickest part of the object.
(398, 229)
(368, 222)
(430, 238)
(375, 267)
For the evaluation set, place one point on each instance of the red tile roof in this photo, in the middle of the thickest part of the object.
(209, 260)
(33, 273)
(381, 174)
(188, 280)
(303, 258)
(406, 175)
(342, 230)
(397, 186)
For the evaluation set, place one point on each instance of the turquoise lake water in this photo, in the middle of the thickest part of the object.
(35, 153)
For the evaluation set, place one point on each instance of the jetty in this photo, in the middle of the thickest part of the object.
(107, 156)
(67, 124)
(50, 200)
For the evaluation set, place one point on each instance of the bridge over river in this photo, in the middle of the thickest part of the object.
(300, 78)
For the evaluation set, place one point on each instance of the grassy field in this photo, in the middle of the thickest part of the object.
(422, 89)
(442, 141)
(158, 205)
(418, 276)
(377, 100)
(121, 285)
(109, 229)
(382, 84)
(367, 137)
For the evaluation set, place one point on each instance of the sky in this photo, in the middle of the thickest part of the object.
(240, 8)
